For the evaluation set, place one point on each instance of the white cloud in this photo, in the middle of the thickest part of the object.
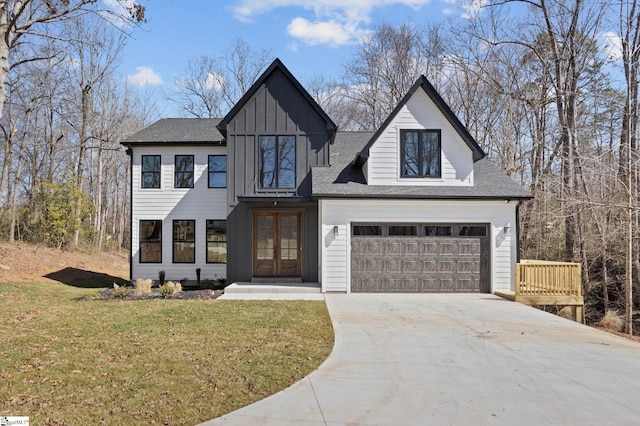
(448, 11)
(145, 76)
(472, 8)
(611, 45)
(214, 81)
(117, 12)
(327, 32)
(335, 22)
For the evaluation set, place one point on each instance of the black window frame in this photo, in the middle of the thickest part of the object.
(402, 230)
(219, 224)
(157, 173)
(366, 230)
(155, 239)
(421, 161)
(175, 241)
(188, 174)
(277, 170)
(212, 173)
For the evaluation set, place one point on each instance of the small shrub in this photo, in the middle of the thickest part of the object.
(207, 284)
(120, 292)
(92, 296)
(143, 287)
(169, 289)
(612, 320)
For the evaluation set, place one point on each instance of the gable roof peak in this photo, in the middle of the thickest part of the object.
(423, 83)
(277, 65)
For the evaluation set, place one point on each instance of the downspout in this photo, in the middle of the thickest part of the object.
(518, 231)
(130, 154)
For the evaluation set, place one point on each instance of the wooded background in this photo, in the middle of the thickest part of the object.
(549, 89)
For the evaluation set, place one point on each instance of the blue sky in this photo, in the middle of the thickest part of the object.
(311, 37)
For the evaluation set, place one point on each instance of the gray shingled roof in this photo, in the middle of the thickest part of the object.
(342, 179)
(178, 131)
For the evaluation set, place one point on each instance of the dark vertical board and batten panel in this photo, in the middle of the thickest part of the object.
(276, 108)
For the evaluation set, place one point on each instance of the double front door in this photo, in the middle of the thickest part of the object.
(276, 244)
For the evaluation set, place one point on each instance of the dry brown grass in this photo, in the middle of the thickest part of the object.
(567, 312)
(612, 321)
(142, 286)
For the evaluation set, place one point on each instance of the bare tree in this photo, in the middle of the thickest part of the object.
(95, 51)
(629, 152)
(211, 86)
(34, 18)
(382, 71)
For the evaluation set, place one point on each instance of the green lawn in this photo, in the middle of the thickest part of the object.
(87, 362)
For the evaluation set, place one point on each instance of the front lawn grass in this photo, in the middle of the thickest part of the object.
(175, 362)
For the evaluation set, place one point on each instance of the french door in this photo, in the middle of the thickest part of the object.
(276, 244)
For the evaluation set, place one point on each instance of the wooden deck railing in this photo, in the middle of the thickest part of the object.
(550, 283)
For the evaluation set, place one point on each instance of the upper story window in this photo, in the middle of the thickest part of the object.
(277, 162)
(184, 171)
(420, 153)
(151, 165)
(217, 171)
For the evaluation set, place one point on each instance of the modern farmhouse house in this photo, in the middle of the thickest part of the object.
(274, 191)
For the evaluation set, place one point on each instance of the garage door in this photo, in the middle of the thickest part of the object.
(418, 258)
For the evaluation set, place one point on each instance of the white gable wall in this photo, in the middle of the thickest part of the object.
(383, 165)
(199, 203)
(335, 251)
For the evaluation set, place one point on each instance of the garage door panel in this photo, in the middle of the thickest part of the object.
(467, 285)
(393, 248)
(468, 266)
(411, 266)
(447, 266)
(411, 248)
(447, 248)
(469, 248)
(430, 266)
(419, 264)
(430, 285)
(428, 247)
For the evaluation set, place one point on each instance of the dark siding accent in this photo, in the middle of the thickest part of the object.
(276, 108)
(240, 246)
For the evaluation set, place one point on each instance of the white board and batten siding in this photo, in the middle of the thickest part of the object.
(336, 252)
(383, 165)
(167, 203)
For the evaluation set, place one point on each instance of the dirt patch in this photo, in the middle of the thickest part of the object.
(33, 263)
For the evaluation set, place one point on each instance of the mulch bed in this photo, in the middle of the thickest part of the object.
(192, 294)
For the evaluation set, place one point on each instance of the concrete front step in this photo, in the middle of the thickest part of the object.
(243, 287)
(273, 291)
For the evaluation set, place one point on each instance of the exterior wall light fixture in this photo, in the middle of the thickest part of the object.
(335, 230)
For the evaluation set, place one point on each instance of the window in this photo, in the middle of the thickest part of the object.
(437, 231)
(184, 171)
(150, 241)
(420, 153)
(277, 162)
(367, 230)
(151, 171)
(184, 241)
(216, 241)
(395, 230)
(472, 231)
(217, 171)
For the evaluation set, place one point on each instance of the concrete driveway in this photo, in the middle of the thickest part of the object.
(457, 360)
